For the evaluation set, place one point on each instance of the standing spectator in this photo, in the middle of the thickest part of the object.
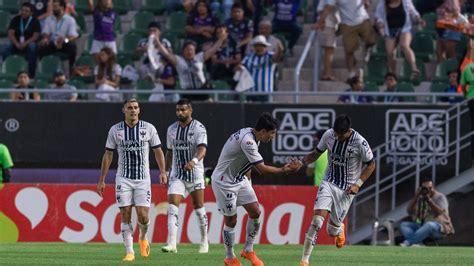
(265, 29)
(42, 9)
(201, 24)
(327, 39)
(262, 65)
(357, 85)
(59, 34)
(104, 20)
(23, 80)
(6, 163)
(163, 74)
(253, 10)
(70, 9)
(23, 32)
(448, 39)
(239, 27)
(395, 19)
(391, 86)
(226, 59)
(429, 210)
(107, 75)
(190, 66)
(284, 20)
(223, 6)
(59, 79)
(355, 25)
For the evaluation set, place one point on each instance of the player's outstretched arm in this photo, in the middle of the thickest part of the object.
(160, 160)
(311, 157)
(104, 169)
(288, 168)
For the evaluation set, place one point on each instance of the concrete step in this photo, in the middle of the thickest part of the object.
(289, 85)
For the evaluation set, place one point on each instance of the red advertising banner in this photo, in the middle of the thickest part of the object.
(75, 213)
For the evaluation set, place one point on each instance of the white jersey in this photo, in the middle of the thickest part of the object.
(133, 147)
(184, 143)
(345, 158)
(238, 155)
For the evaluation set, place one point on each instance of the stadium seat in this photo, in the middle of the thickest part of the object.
(5, 84)
(223, 86)
(40, 84)
(439, 87)
(128, 44)
(12, 6)
(442, 69)
(83, 7)
(123, 6)
(371, 86)
(379, 50)
(174, 40)
(375, 70)
(118, 26)
(176, 23)
(423, 47)
(81, 23)
(11, 66)
(430, 19)
(4, 22)
(144, 84)
(405, 73)
(85, 66)
(79, 84)
(47, 66)
(284, 41)
(140, 22)
(406, 87)
(88, 45)
(157, 7)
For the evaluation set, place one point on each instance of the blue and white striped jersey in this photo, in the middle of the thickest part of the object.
(346, 158)
(263, 71)
(133, 147)
(184, 142)
(238, 155)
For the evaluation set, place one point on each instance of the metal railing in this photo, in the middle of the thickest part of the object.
(388, 183)
(299, 65)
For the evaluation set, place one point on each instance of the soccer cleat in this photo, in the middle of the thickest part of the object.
(129, 257)
(204, 247)
(252, 257)
(144, 248)
(169, 249)
(341, 239)
(232, 262)
(302, 263)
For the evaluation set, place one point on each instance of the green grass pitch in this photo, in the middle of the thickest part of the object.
(287, 255)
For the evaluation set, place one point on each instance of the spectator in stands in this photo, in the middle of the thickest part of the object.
(59, 34)
(390, 86)
(59, 80)
(239, 27)
(23, 80)
(226, 59)
(284, 20)
(448, 39)
(6, 163)
(395, 20)
(70, 9)
(201, 24)
(429, 211)
(23, 32)
(355, 25)
(253, 10)
(42, 9)
(190, 66)
(357, 85)
(222, 6)
(107, 76)
(104, 20)
(262, 66)
(317, 169)
(453, 87)
(265, 29)
(327, 40)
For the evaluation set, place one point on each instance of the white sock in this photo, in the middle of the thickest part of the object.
(173, 224)
(202, 216)
(253, 226)
(143, 230)
(311, 237)
(127, 236)
(229, 238)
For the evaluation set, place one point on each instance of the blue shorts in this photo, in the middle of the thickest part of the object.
(393, 33)
(449, 35)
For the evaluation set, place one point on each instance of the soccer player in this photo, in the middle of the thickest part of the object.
(351, 163)
(132, 139)
(186, 142)
(232, 187)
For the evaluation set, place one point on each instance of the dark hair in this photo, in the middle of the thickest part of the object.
(390, 74)
(154, 24)
(22, 72)
(424, 179)
(29, 5)
(452, 71)
(352, 81)
(187, 43)
(237, 5)
(61, 3)
(131, 100)
(267, 121)
(319, 134)
(342, 124)
(184, 101)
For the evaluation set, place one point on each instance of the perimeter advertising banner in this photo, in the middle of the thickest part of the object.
(76, 214)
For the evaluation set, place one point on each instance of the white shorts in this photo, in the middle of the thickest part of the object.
(98, 45)
(230, 196)
(333, 199)
(181, 187)
(130, 192)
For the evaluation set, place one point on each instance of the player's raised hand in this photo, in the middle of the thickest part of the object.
(352, 189)
(163, 178)
(100, 188)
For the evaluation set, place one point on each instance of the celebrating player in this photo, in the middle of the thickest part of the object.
(232, 187)
(132, 139)
(186, 143)
(348, 153)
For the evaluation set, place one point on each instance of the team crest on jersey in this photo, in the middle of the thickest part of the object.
(142, 134)
(249, 143)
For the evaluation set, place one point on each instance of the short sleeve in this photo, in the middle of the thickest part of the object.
(111, 144)
(5, 157)
(200, 57)
(201, 137)
(250, 149)
(47, 25)
(441, 201)
(117, 70)
(96, 70)
(72, 28)
(169, 145)
(155, 141)
(13, 24)
(365, 152)
(323, 143)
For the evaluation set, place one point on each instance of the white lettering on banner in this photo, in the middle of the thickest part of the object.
(33, 204)
(108, 220)
(241, 227)
(89, 222)
(401, 130)
(298, 125)
(296, 212)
